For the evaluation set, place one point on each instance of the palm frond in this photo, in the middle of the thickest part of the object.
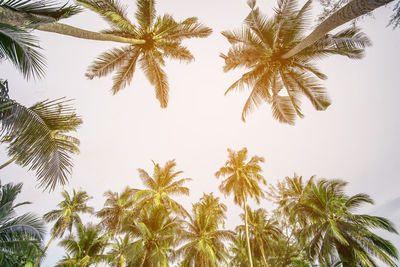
(145, 13)
(42, 10)
(156, 76)
(125, 74)
(283, 110)
(175, 50)
(108, 61)
(21, 49)
(112, 11)
(34, 138)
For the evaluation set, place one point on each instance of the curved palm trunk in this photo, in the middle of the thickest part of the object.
(15, 18)
(352, 10)
(51, 239)
(247, 231)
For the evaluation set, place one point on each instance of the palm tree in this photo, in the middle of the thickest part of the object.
(333, 229)
(68, 213)
(36, 137)
(115, 209)
(262, 231)
(260, 47)
(204, 240)
(16, 43)
(242, 182)
(162, 37)
(20, 236)
(155, 235)
(84, 249)
(161, 186)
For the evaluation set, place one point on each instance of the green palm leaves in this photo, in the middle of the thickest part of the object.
(162, 37)
(162, 186)
(84, 249)
(17, 44)
(330, 229)
(204, 239)
(260, 46)
(68, 213)
(36, 137)
(20, 236)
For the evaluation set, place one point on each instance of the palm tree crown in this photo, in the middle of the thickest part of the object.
(68, 213)
(84, 249)
(162, 35)
(203, 238)
(243, 177)
(260, 46)
(161, 186)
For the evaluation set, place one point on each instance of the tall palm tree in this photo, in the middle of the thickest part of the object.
(162, 37)
(155, 234)
(68, 213)
(17, 44)
(259, 47)
(84, 249)
(36, 137)
(20, 236)
(204, 239)
(162, 186)
(262, 231)
(243, 182)
(334, 230)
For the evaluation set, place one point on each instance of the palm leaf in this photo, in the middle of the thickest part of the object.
(156, 76)
(108, 61)
(125, 74)
(34, 137)
(283, 110)
(145, 13)
(112, 11)
(20, 47)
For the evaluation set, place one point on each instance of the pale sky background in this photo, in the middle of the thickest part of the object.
(356, 139)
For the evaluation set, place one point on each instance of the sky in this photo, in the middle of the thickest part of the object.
(355, 139)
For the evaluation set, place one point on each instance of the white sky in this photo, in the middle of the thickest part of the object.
(355, 139)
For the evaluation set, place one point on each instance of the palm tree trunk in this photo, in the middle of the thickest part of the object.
(247, 231)
(352, 10)
(263, 255)
(15, 18)
(9, 162)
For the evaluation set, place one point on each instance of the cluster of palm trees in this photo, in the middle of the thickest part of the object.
(274, 50)
(314, 224)
(314, 221)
